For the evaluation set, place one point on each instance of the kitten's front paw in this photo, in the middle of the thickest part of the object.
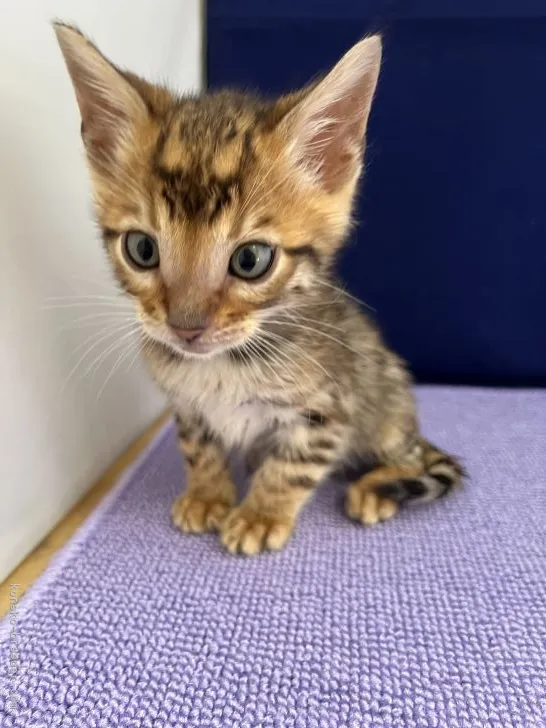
(250, 533)
(365, 506)
(197, 514)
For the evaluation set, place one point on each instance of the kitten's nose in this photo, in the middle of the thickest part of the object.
(188, 335)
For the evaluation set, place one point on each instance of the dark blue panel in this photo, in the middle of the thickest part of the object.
(451, 245)
(251, 10)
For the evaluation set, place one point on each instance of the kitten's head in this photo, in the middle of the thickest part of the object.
(220, 210)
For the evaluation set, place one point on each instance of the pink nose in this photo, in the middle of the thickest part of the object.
(188, 335)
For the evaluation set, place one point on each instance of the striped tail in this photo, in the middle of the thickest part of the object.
(433, 476)
(423, 475)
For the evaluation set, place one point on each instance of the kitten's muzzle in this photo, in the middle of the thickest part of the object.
(188, 335)
(188, 327)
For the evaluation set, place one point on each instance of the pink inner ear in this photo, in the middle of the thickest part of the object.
(330, 121)
(102, 118)
(101, 122)
(334, 150)
(106, 99)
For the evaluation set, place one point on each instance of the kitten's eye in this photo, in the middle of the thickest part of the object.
(141, 250)
(251, 260)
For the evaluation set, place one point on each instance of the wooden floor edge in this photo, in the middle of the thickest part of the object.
(24, 575)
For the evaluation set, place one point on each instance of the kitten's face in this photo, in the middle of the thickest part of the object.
(229, 235)
(218, 212)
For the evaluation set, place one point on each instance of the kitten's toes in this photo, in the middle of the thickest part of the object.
(250, 533)
(365, 506)
(196, 514)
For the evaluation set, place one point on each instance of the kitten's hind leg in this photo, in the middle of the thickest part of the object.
(420, 474)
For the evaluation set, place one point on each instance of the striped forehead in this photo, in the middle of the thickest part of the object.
(199, 176)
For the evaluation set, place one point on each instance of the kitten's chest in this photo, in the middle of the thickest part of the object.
(241, 425)
(238, 410)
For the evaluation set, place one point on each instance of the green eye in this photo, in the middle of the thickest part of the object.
(141, 250)
(251, 260)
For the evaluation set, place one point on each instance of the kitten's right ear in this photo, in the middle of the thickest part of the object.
(108, 103)
(326, 127)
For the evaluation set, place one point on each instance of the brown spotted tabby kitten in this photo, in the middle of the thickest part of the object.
(222, 215)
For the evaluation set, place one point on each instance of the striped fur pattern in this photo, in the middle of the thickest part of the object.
(288, 370)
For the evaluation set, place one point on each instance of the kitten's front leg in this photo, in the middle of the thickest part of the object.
(210, 493)
(299, 460)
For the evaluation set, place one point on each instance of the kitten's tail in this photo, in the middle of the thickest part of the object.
(435, 475)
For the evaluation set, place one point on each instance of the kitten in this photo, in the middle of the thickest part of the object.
(222, 215)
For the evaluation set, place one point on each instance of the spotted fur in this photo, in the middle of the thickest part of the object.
(295, 375)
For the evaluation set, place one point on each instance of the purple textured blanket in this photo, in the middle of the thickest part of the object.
(435, 619)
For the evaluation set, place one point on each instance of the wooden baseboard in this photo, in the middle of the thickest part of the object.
(36, 562)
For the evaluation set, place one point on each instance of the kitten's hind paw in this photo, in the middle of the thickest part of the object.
(425, 474)
(367, 507)
(250, 533)
(195, 514)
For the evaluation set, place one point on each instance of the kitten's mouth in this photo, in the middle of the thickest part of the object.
(201, 348)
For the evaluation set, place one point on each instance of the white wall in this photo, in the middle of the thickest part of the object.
(58, 436)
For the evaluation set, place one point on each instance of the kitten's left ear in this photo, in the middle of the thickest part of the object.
(108, 103)
(326, 127)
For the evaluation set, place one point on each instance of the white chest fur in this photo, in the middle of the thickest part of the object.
(241, 426)
(234, 405)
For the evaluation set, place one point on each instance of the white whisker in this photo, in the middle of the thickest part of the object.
(317, 331)
(280, 358)
(295, 316)
(104, 333)
(124, 354)
(139, 349)
(97, 318)
(253, 346)
(89, 305)
(344, 293)
(302, 352)
(103, 355)
(250, 367)
(95, 342)
(88, 297)
(100, 284)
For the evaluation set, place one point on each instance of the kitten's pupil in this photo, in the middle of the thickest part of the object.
(145, 248)
(247, 259)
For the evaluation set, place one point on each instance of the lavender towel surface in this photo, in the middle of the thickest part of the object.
(435, 619)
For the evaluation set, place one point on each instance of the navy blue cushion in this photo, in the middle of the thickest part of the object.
(451, 246)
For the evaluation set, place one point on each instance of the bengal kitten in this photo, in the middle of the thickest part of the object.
(222, 214)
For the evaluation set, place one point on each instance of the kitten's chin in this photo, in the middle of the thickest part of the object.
(199, 350)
